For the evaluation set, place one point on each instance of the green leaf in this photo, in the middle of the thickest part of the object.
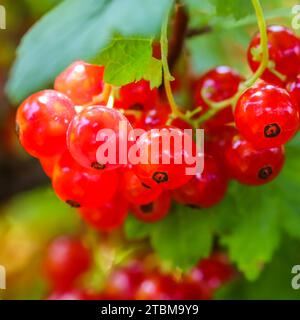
(236, 8)
(153, 73)
(273, 283)
(78, 29)
(181, 239)
(128, 60)
(256, 235)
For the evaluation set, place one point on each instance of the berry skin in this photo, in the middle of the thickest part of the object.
(204, 189)
(153, 211)
(134, 190)
(42, 122)
(48, 165)
(66, 259)
(123, 282)
(266, 116)
(218, 84)
(253, 166)
(80, 187)
(293, 88)
(284, 51)
(71, 294)
(83, 133)
(136, 96)
(212, 272)
(109, 216)
(81, 82)
(167, 166)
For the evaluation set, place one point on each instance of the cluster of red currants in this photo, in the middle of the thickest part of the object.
(68, 260)
(243, 141)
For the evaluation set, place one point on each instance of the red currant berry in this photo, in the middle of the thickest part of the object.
(293, 88)
(66, 259)
(42, 121)
(217, 85)
(165, 157)
(266, 116)
(135, 191)
(204, 189)
(94, 128)
(284, 52)
(81, 82)
(212, 272)
(153, 211)
(123, 282)
(217, 141)
(48, 165)
(136, 96)
(71, 294)
(253, 166)
(157, 287)
(109, 216)
(81, 187)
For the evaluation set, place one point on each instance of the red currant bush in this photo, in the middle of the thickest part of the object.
(96, 127)
(153, 211)
(164, 165)
(81, 187)
(81, 82)
(253, 166)
(66, 259)
(266, 116)
(42, 121)
(204, 189)
(284, 52)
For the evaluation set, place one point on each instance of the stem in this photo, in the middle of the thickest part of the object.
(263, 44)
(167, 77)
(217, 106)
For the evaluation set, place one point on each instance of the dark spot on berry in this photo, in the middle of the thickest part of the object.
(265, 172)
(145, 185)
(73, 204)
(98, 166)
(272, 130)
(147, 208)
(17, 129)
(160, 177)
(137, 107)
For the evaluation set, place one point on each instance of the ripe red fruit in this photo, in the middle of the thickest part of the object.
(135, 191)
(157, 286)
(81, 187)
(123, 282)
(48, 165)
(218, 84)
(266, 116)
(66, 259)
(136, 96)
(153, 211)
(71, 294)
(109, 216)
(165, 157)
(284, 51)
(212, 272)
(42, 122)
(253, 166)
(293, 88)
(204, 189)
(81, 82)
(109, 127)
